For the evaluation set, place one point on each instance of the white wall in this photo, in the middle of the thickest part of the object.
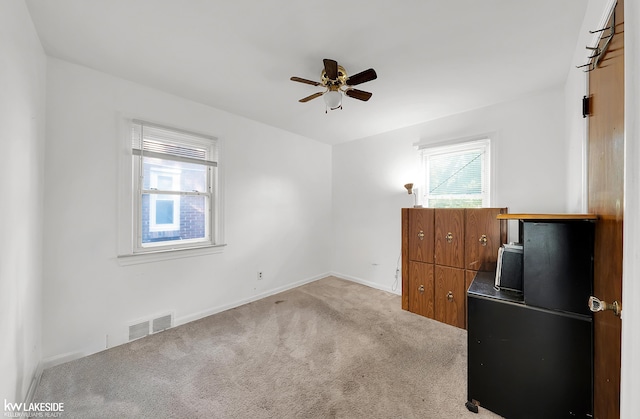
(368, 177)
(630, 387)
(277, 214)
(576, 125)
(22, 116)
(575, 88)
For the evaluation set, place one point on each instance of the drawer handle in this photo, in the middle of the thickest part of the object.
(449, 237)
(421, 235)
(450, 296)
(421, 289)
(483, 240)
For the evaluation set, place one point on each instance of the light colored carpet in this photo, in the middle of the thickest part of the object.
(328, 349)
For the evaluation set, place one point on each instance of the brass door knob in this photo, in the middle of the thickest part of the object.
(421, 289)
(449, 237)
(450, 296)
(483, 240)
(421, 235)
(596, 305)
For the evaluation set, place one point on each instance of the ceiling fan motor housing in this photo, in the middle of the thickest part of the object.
(338, 82)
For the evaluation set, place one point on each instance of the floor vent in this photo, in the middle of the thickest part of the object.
(162, 323)
(139, 330)
(147, 327)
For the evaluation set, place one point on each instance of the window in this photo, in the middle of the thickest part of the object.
(457, 175)
(174, 189)
(164, 210)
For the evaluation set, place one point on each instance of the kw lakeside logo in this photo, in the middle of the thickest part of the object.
(33, 410)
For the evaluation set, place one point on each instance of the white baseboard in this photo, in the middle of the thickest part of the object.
(35, 381)
(370, 284)
(238, 303)
(52, 361)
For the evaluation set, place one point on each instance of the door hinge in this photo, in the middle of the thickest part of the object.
(586, 106)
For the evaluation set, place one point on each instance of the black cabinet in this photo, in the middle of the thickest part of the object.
(530, 354)
(558, 264)
(527, 362)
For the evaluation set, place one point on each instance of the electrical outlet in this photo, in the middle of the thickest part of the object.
(259, 275)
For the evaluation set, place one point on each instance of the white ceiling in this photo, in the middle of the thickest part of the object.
(433, 58)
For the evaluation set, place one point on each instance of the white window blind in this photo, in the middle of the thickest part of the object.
(156, 141)
(457, 175)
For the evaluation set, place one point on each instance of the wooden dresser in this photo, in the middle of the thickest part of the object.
(442, 250)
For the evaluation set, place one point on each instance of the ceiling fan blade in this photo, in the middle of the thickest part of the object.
(331, 68)
(358, 94)
(301, 80)
(362, 77)
(313, 96)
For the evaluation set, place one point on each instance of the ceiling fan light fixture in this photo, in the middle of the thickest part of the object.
(335, 80)
(333, 99)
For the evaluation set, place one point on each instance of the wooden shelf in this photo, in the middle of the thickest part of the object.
(547, 217)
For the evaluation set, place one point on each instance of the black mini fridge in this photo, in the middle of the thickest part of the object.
(530, 353)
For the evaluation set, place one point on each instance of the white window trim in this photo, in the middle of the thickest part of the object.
(460, 145)
(127, 213)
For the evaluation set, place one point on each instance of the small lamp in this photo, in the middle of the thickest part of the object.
(409, 187)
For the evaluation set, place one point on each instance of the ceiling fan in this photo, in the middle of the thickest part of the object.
(335, 80)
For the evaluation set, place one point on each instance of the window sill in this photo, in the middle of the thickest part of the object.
(167, 254)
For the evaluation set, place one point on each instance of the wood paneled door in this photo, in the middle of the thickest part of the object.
(482, 237)
(421, 235)
(449, 237)
(450, 296)
(606, 199)
(421, 288)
